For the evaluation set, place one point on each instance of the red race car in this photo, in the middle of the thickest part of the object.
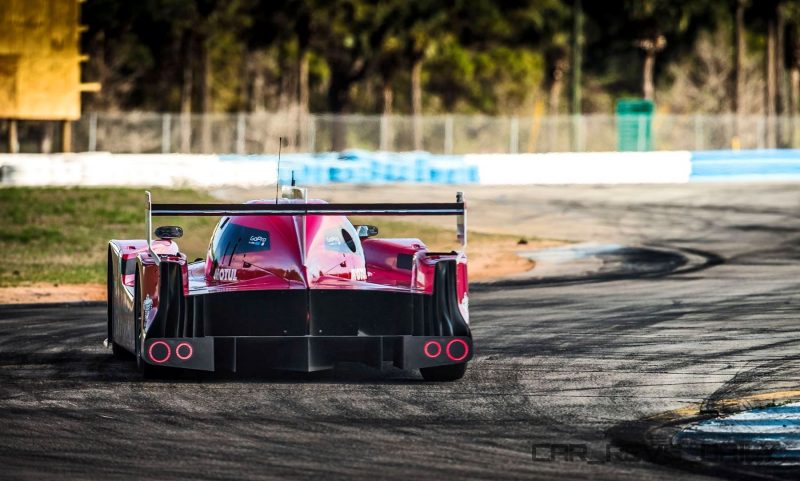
(291, 284)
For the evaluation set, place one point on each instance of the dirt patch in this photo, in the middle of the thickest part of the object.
(35, 293)
(499, 259)
(495, 260)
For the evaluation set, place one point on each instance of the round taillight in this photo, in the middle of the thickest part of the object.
(457, 350)
(184, 351)
(432, 349)
(159, 352)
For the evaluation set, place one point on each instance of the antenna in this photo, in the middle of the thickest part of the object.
(281, 141)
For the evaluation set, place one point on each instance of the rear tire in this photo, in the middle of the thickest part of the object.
(148, 371)
(117, 351)
(452, 372)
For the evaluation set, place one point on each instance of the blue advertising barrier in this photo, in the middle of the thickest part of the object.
(773, 164)
(362, 167)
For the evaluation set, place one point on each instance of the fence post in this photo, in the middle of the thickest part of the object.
(448, 135)
(92, 132)
(166, 133)
(240, 133)
(513, 138)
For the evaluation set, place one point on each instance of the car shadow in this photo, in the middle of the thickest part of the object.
(76, 366)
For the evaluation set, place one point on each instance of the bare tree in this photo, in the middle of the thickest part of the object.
(416, 101)
(651, 21)
(187, 80)
(771, 76)
(560, 66)
(740, 52)
(651, 47)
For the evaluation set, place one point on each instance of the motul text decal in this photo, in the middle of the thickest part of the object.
(225, 275)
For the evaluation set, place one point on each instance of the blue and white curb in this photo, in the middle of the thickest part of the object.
(769, 435)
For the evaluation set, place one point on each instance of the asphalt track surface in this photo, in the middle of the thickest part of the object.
(565, 363)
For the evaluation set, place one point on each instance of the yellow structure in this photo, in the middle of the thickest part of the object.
(40, 60)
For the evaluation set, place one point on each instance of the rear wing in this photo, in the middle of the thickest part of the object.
(458, 208)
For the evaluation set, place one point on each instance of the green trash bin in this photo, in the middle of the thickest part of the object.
(635, 125)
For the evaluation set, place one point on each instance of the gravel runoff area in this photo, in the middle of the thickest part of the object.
(564, 365)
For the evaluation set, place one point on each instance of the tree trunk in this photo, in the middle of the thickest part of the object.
(302, 97)
(794, 83)
(258, 95)
(13, 141)
(244, 87)
(783, 99)
(794, 102)
(338, 101)
(205, 89)
(739, 65)
(795, 77)
(780, 66)
(386, 127)
(66, 136)
(303, 33)
(302, 82)
(647, 73)
(285, 93)
(554, 96)
(771, 81)
(794, 97)
(388, 97)
(186, 96)
(416, 101)
(556, 85)
(577, 57)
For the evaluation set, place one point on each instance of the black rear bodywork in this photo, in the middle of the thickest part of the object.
(308, 329)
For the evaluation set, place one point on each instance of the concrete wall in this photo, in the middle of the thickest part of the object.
(169, 170)
(94, 169)
(583, 168)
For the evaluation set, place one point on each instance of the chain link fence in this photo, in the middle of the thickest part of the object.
(258, 133)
